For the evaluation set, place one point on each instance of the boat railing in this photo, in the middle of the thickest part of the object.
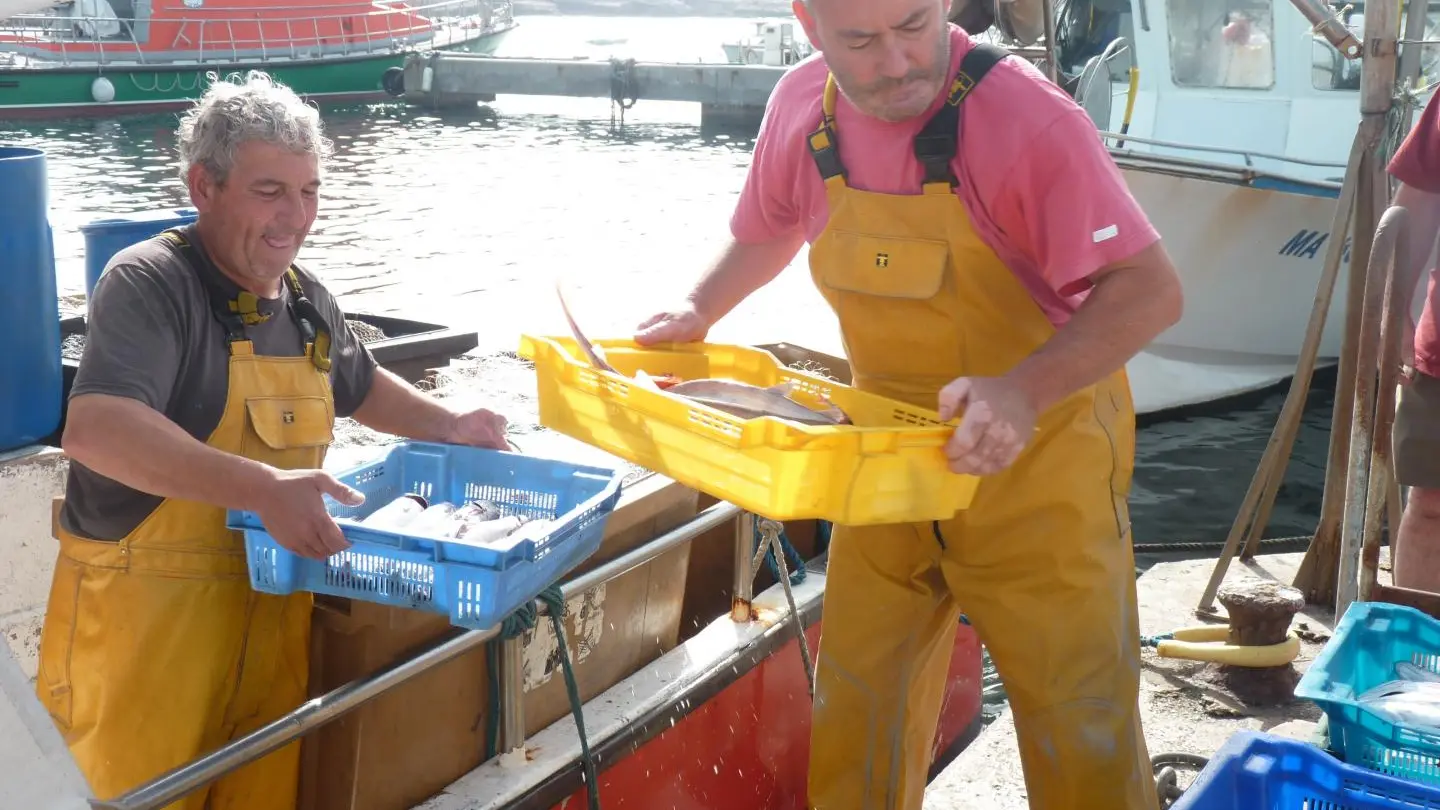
(185, 779)
(228, 33)
(1248, 155)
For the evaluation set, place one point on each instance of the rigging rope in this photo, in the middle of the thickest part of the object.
(514, 626)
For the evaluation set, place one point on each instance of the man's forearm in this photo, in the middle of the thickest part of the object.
(394, 406)
(739, 271)
(132, 443)
(1125, 310)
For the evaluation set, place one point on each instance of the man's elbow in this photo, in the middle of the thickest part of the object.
(1169, 296)
(91, 422)
(82, 421)
(1162, 293)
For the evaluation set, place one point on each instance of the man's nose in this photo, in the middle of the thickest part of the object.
(894, 63)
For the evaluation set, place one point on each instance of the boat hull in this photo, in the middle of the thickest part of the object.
(743, 741)
(1250, 260)
(67, 91)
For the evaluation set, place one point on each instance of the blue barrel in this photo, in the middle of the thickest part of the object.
(106, 237)
(30, 372)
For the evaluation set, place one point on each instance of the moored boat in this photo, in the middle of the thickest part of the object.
(774, 43)
(113, 57)
(1231, 123)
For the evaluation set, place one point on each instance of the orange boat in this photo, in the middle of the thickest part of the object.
(107, 57)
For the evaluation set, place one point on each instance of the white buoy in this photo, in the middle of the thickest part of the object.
(102, 90)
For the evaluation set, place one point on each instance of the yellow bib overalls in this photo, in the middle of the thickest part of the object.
(155, 650)
(1041, 563)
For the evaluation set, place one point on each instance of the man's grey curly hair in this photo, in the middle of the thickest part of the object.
(254, 108)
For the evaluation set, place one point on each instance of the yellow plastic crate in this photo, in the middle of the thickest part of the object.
(889, 467)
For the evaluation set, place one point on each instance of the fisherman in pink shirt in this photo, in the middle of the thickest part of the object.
(984, 260)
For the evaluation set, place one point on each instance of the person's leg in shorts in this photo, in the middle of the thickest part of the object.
(1416, 451)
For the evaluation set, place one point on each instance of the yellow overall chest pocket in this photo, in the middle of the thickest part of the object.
(894, 298)
(291, 423)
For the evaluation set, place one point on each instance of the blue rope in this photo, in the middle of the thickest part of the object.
(514, 626)
(1154, 641)
(792, 556)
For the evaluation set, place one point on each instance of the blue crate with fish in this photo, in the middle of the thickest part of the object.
(1378, 681)
(1258, 771)
(530, 520)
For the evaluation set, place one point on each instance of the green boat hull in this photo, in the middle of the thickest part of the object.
(64, 91)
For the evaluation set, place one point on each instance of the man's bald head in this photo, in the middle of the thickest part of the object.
(890, 58)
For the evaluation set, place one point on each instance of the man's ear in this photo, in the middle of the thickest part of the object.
(801, 9)
(202, 187)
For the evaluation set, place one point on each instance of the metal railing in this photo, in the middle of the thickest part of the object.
(229, 33)
(1248, 154)
(1224, 172)
(318, 711)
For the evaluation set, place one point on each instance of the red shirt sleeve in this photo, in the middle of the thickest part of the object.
(769, 206)
(1417, 161)
(1066, 207)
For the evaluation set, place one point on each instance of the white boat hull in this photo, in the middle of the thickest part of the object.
(1250, 260)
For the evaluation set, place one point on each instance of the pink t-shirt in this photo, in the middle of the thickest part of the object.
(1038, 182)
(1417, 164)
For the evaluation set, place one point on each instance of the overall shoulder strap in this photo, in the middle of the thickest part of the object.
(824, 146)
(225, 310)
(939, 140)
(312, 321)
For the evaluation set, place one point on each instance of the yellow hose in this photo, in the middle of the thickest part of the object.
(1208, 643)
(1129, 103)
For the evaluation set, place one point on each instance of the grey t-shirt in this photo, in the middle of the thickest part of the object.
(151, 335)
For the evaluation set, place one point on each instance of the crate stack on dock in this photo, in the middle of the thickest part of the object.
(1378, 757)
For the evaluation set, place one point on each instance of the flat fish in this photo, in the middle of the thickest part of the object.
(1410, 672)
(592, 352)
(749, 401)
(1414, 703)
(733, 397)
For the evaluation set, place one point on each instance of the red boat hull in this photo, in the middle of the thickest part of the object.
(747, 746)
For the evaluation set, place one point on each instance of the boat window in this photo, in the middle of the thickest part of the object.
(1330, 70)
(1221, 43)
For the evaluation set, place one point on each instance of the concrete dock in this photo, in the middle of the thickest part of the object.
(727, 94)
(1181, 710)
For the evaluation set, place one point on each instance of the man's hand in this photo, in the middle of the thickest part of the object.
(293, 510)
(683, 325)
(480, 428)
(394, 406)
(998, 421)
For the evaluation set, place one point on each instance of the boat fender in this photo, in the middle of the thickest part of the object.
(394, 81)
(102, 90)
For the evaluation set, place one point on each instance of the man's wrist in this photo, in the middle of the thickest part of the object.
(252, 480)
(449, 424)
(698, 305)
(1033, 384)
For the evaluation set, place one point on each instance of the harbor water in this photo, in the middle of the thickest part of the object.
(468, 218)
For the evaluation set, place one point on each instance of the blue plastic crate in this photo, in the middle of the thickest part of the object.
(1258, 771)
(475, 586)
(1368, 641)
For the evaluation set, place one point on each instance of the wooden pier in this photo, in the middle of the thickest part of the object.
(727, 94)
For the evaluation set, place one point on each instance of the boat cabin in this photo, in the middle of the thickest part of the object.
(1248, 77)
